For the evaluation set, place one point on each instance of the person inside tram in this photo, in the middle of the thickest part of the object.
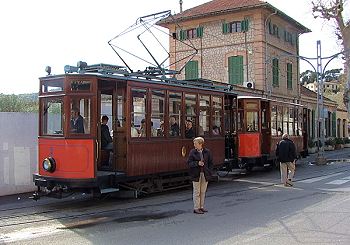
(76, 122)
(106, 139)
(134, 131)
(250, 128)
(142, 130)
(154, 131)
(174, 127)
(160, 130)
(216, 130)
(189, 132)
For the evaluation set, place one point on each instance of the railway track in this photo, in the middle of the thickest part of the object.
(81, 209)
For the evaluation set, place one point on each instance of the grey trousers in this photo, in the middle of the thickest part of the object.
(287, 171)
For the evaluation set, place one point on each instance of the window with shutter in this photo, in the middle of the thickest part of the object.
(235, 70)
(275, 73)
(191, 70)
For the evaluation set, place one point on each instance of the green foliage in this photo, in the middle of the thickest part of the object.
(19, 103)
(339, 141)
(330, 141)
(346, 140)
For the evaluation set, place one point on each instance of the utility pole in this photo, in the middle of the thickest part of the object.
(320, 159)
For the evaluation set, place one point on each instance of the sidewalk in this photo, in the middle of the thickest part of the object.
(342, 155)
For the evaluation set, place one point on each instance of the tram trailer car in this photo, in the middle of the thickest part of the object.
(147, 155)
(260, 125)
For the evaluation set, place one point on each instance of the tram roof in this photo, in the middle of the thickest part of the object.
(118, 72)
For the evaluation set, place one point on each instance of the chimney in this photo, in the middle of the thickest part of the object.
(180, 6)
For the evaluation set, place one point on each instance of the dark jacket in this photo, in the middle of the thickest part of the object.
(189, 133)
(105, 136)
(174, 130)
(285, 151)
(194, 168)
(77, 125)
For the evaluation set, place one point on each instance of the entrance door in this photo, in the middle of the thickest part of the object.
(106, 133)
(230, 127)
(265, 127)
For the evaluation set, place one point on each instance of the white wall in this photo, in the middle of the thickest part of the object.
(18, 152)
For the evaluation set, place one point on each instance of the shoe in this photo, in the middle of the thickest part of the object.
(288, 184)
(203, 210)
(198, 211)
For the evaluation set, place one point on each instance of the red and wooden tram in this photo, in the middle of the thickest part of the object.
(147, 155)
(260, 125)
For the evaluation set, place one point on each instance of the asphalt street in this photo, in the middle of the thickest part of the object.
(243, 209)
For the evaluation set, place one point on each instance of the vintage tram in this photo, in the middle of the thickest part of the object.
(147, 156)
(260, 125)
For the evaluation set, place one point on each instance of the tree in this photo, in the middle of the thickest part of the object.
(334, 10)
(307, 76)
(19, 103)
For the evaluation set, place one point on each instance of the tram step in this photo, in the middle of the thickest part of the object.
(109, 190)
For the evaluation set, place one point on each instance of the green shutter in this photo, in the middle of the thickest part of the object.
(235, 69)
(244, 25)
(275, 72)
(225, 28)
(181, 35)
(191, 70)
(199, 31)
(334, 124)
(289, 76)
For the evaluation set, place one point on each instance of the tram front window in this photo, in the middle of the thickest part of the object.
(252, 121)
(80, 116)
(52, 117)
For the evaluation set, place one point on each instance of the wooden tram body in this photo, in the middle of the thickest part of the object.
(71, 160)
(260, 125)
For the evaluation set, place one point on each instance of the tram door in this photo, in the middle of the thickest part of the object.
(111, 97)
(106, 138)
(265, 127)
(230, 127)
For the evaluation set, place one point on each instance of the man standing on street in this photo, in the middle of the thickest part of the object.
(286, 155)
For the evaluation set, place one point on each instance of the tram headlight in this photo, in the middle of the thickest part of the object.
(49, 164)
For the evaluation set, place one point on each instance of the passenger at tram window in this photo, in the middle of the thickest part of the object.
(216, 130)
(279, 131)
(134, 131)
(160, 130)
(118, 124)
(174, 127)
(250, 128)
(200, 130)
(76, 122)
(106, 139)
(189, 132)
(142, 130)
(154, 131)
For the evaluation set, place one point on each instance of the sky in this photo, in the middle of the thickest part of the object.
(38, 33)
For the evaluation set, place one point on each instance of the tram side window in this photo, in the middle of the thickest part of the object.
(300, 123)
(138, 113)
(274, 121)
(52, 117)
(285, 119)
(204, 116)
(291, 122)
(80, 121)
(51, 86)
(174, 114)
(216, 116)
(157, 114)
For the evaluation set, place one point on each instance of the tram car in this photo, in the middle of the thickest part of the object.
(260, 125)
(148, 115)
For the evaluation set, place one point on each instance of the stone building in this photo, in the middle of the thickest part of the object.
(246, 43)
(249, 44)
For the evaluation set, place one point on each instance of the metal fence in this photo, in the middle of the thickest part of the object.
(18, 151)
